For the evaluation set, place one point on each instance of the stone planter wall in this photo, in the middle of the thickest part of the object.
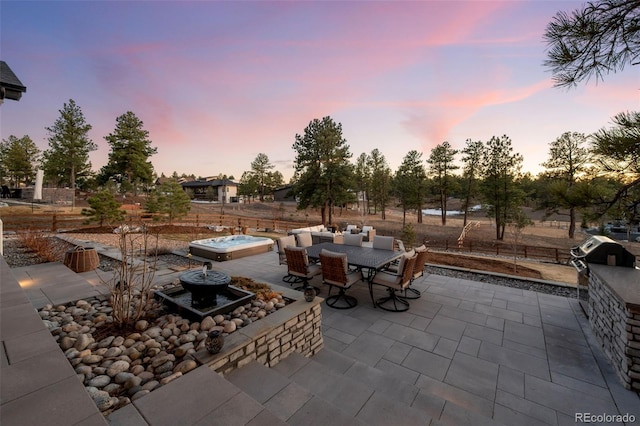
(296, 328)
(616, 324)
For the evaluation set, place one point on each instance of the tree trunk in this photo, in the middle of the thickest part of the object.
(467, 200)
(443, 208)
(73, 185)
(572, 222)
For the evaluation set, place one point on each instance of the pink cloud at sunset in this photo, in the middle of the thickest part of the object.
(216, 83)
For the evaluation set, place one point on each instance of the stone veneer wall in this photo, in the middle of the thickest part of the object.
(272, 339)
(617, 328)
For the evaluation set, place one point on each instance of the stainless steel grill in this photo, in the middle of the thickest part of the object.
(603, 251)
(598, 250)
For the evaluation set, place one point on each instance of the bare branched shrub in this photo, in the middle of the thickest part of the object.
(132, 281)
(47, 247)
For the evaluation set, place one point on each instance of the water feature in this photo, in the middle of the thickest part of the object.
(203, 293)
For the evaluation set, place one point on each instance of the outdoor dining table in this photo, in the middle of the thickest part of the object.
(359, 257)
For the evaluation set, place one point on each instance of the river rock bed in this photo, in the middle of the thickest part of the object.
(119, 368)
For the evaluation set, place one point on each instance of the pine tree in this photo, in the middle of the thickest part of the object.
(501, 167)
(67, 159)
(130, 151)
(323, 172)
(410, 185)
(18, 157)
(170, 199)
(441, 167)
(104, 207)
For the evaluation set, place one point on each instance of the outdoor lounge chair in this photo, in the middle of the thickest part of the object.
(335, 273)
(394, 283)
(298, 266)
(368, 232)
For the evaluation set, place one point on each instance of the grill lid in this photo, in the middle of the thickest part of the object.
(602, 250)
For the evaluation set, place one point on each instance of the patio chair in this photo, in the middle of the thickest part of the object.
(394, 283)
(352, 239)
(418, 271)
(281, 243)
(383, 243)
(335, 273)
(298, 266)
(398, 245)
(304, 239)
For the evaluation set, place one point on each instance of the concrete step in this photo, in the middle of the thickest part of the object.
(440, 402)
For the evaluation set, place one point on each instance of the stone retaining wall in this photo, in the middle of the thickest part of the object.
(617, 328)
(297, 328)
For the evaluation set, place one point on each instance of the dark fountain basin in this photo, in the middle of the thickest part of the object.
(201, 295)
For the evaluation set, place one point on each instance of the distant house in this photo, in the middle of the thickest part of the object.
(10, 86)
(213, 189)
(164, 179)
(283, 193)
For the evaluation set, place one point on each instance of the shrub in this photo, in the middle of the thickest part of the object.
(104, 207)
(49, 248)
(131, 285)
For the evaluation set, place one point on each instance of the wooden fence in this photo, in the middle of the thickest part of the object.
(56, 221)
(549, 254)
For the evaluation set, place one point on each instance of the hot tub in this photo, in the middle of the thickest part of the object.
(231, 247)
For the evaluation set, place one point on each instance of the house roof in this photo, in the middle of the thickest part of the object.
(213, 182)
(10, 86)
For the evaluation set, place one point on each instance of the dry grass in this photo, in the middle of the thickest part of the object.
(49, 248)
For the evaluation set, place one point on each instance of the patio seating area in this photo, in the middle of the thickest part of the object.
(465, 353)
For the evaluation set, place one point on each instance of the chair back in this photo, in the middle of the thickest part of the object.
(283, 242)
(421, 259)
(304, 239)
(407, 270)
(297, 260)
(334, 267)
(398, 245)
(352, 239)
(382, 242)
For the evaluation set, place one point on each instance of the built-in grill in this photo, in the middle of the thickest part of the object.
(599, 250)
(603, 251)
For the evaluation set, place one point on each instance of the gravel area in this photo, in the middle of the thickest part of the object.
(16, 255)
(504, 281)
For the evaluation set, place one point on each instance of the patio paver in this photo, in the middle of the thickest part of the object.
(465, 353)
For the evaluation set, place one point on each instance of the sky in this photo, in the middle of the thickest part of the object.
(216, 83)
